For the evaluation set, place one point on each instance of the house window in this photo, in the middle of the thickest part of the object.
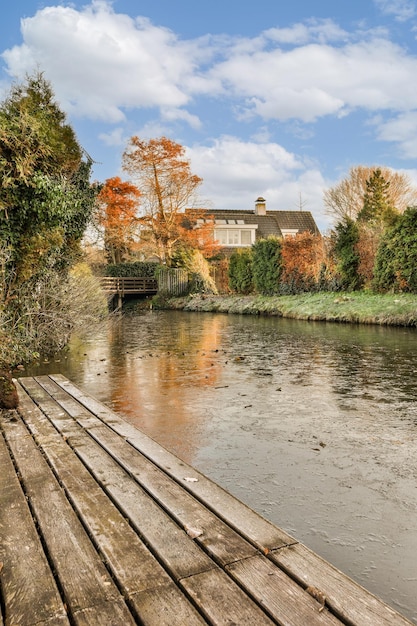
(235, 236)
(246, 237)
(221, 236)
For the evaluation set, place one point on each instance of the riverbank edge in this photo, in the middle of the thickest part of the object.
(355, 307)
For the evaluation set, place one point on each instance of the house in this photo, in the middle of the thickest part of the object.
(241, 228)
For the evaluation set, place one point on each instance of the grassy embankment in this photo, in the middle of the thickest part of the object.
(356, 307)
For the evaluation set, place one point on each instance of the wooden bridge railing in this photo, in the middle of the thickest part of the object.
(124, 285)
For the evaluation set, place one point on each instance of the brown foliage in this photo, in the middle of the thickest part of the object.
(220, 273)
(367, 247)
(303, 257)
(117, 214)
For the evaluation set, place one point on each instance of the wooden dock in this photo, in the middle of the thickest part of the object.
(100, 525)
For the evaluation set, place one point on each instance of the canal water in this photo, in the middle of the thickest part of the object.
(312, 424)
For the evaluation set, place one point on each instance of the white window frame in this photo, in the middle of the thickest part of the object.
(236, 229)
(289, 232)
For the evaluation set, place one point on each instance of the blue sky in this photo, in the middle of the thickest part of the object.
(270, 98)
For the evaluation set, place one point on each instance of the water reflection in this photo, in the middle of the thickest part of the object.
(312, 424)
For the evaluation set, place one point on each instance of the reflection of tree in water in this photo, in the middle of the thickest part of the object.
(155, 365)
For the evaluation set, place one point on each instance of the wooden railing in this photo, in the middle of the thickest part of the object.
(124, 285)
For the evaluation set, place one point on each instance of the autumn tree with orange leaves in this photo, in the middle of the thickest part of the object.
(118, 215)
(162, 173)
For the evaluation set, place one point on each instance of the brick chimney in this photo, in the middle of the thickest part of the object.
(260, 206)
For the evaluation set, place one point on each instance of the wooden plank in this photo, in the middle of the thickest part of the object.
(89, 592)
(347, 599)
(177, 550)
(256, 529)
(222, 602)
(279, 595)
(166, 606)
(28, 589)
(218, 539)
(149, 589)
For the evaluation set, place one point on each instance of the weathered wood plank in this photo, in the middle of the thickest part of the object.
(180, 555)
(222, 602)
(28, 588)
(347, 599)
(149, 589)
(283, 598)
(175, 548)
(163, 606)
(253, 527)
(89, 592)
(218, 539)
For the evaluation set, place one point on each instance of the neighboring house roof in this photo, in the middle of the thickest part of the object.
(272, 223)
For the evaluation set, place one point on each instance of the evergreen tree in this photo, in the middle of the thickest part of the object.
(377, 205)
(347, 237)
(45, 195)
(396, 260)
(267, 265)
(240, 271)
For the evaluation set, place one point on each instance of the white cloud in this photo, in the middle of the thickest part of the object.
(311, 81)
(104, 64)
(401, 130)
(312, 30)
(114, 138)
(403, 10)
(172, 114)
(101, 63)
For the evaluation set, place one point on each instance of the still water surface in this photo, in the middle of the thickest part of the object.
(314, 425)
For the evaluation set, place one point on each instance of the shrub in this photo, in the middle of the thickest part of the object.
(46, 313)
(346, 240)
(396, 260)
(240, 271)
(219, 269)
(198, 268)
(267, 265)
(302, 258)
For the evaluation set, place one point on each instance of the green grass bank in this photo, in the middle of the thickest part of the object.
(356, 307)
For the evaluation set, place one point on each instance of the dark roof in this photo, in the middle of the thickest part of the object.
(272, 222)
